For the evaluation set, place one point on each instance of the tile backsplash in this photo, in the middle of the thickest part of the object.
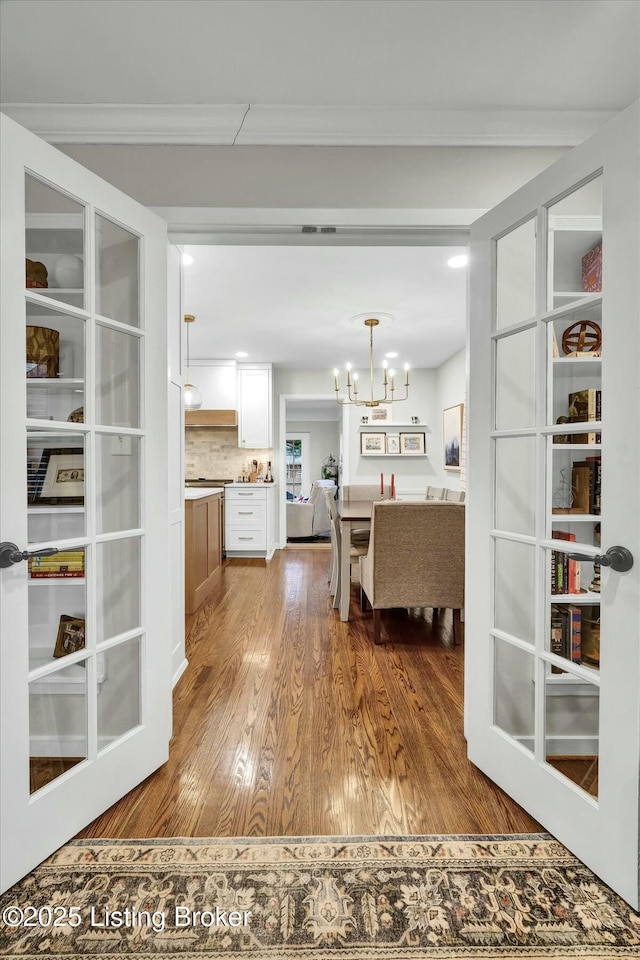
(213, 452)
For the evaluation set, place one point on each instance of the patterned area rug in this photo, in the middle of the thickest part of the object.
(367, 898)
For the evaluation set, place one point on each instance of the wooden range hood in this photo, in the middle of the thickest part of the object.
(210, 418)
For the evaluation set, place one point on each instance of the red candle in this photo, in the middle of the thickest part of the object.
(382, 484)
(393, 486)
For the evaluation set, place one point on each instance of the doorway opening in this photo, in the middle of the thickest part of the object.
(292, 722)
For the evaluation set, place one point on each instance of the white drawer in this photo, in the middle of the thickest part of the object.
(246, 538)
(245, 494)
(251, 512)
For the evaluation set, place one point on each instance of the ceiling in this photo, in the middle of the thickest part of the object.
(292, 305)
(278, 71)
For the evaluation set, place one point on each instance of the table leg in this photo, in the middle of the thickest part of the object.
(345, 569)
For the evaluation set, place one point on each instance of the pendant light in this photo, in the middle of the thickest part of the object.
(192, 396)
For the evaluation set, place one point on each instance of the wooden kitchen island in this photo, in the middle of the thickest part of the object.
(203, 543)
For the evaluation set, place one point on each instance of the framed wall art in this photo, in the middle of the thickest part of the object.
(412, 444)
(372, 444)
(452, 436)
(393, 443)
(381, 414)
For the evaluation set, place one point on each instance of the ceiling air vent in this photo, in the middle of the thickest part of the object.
(308, 229)
(328, 230)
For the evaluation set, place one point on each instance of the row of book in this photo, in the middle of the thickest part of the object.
(565, 573)
(68, 563)
(585, 406)
(586, 484)
(575, 634)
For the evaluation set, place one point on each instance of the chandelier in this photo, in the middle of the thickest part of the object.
(388, 379)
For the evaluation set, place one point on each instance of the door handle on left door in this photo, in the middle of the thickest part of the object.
(10, 553)
(618, 558)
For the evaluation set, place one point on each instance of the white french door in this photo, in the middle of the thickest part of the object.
(85, 653)
(553, 651)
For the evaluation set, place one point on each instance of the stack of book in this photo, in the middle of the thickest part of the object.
(575, 634)
(586, 484)
(69, 563)
(565, 573)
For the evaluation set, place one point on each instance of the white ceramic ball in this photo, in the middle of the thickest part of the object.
(68, 271)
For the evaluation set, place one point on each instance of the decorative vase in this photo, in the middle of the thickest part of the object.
(43, 352)
(68, 271)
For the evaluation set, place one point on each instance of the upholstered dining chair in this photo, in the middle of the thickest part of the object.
(434, 493)
(365, 491)
(356, 550)
(415, 558)
(454, 496)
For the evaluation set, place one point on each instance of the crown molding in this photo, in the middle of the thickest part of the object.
(407, 126)
(227, 124)
(146, 123)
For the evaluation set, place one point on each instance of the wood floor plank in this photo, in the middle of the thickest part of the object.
(289, 722)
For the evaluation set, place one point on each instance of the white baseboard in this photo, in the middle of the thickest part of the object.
(179, 671)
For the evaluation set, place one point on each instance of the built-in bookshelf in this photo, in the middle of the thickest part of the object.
(575, 351)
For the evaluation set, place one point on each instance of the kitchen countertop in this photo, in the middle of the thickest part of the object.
(196, 493)
(252, 485)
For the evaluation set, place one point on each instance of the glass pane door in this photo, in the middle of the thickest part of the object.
(85, 702)
(552, 688)
(83, 482)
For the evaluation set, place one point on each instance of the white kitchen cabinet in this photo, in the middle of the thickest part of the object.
(217, 382)
(255, 407)
(249, 512)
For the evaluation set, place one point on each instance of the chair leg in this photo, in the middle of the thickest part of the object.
(457, 627)
(333, 586)
(376, 627)
(364, 601)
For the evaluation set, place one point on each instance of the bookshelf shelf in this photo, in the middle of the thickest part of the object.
(56, 581)
(577, 599)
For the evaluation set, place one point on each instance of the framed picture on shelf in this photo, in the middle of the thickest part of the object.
(381, 414)
(70, 637)
(393, 443)
(452, 436)
(37, 462)
(412, 444)
(64, 478)
(372, 444)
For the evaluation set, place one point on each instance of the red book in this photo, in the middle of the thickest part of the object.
(592, 270)
(42, 574)
(572, 584)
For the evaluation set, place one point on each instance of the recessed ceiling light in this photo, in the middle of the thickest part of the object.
(461, 260)
(241, 353)
(391, 355)
(187, 259)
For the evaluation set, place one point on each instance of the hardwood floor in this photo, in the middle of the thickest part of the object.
(289, 722)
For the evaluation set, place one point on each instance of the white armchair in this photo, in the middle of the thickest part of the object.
(309, 518)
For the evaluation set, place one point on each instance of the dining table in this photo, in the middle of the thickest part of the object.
(352, 514)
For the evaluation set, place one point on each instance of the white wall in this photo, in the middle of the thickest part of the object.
(175, 480)
(425, 402)
(324, 438)
(451, 385)
(343, 177)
